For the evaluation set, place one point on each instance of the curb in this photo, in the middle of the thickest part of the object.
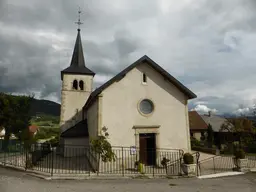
(217, 175)
(46, 176)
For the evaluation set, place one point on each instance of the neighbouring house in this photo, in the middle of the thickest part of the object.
(142, 107)
(220, 136)
(2, 134)
(197, 125)
(33, 129)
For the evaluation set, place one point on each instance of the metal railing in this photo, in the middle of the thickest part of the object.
(216, 164)
(84, 160)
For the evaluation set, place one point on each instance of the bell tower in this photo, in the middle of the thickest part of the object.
(77, 81)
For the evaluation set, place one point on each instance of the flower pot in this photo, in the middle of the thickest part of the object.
(189, 169)
(141, 168)
(241, 164)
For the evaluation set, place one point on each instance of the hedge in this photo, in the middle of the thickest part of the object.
(205, 150)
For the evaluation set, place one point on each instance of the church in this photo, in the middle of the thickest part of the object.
(143, 106)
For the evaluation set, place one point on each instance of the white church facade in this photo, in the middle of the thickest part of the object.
(142, 106)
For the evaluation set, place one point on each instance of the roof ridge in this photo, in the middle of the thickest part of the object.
(121, 74)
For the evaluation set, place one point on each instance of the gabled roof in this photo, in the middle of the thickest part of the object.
(150, 62)
(215, 121)
(78, 130)
(196, 123)
(77, 65)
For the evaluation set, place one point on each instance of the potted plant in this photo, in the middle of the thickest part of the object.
(188, 167)
(136, 164)
(164, 162)
(139, 166)
(239, 160)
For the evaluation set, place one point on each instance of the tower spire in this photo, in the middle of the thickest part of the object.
(79, 20)
(77, 65)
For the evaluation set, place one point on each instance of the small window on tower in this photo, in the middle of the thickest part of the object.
(81, 85)
(144, 78)
(75, 84)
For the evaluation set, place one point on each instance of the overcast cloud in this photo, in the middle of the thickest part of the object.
(210, 46)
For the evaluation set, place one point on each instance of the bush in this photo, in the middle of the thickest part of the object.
(188, 158)
(204, 149)
(239, 154)
(164, 162)
(194, 142)
(101, 146)
(252, 148)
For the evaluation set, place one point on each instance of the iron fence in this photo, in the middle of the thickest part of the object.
(216, 164)
(223, 163)
(81, 160)
(251, 161)
(73, 159)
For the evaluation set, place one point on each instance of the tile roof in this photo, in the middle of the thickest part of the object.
(78, 130)
(196, 123)
(33, 128)
(215, 121)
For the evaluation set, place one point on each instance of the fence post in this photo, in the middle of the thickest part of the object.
(214, 165)
(154, 156)
(52, 163)
(197, 163)
(88, 157)
(4, 157)
(123, 161)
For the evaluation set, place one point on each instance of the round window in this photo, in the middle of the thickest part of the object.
(146, 106)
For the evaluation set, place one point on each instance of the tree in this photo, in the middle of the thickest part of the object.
(242, 127)
(15, 116)
(101, 146)
(210, 135)
(237, 125)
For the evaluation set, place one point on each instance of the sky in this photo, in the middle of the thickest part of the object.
(209, 46)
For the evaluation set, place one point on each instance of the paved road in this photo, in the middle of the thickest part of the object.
(13, 181)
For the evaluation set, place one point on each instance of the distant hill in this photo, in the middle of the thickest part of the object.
(45, 107)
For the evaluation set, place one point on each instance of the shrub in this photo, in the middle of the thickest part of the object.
(239, 154)
(101, 146)
(164, 161)
(136, 163)
(141, 168)
(188, 158)
(194, 142)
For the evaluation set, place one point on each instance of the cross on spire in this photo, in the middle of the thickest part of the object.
(79, 21)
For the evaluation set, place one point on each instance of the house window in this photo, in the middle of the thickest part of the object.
(81, 85)
(146, 106)
(75, 86)
(144, 78)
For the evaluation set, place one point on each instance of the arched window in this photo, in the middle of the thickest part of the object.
(81, 85)
(75, 84)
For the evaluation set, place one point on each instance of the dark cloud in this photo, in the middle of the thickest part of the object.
(208, 45)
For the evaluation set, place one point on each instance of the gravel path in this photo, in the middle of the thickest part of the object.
(14, 181)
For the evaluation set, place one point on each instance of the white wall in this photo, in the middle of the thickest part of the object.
(197, 135)
(76, 146)
(120, 109)
(92, 119)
